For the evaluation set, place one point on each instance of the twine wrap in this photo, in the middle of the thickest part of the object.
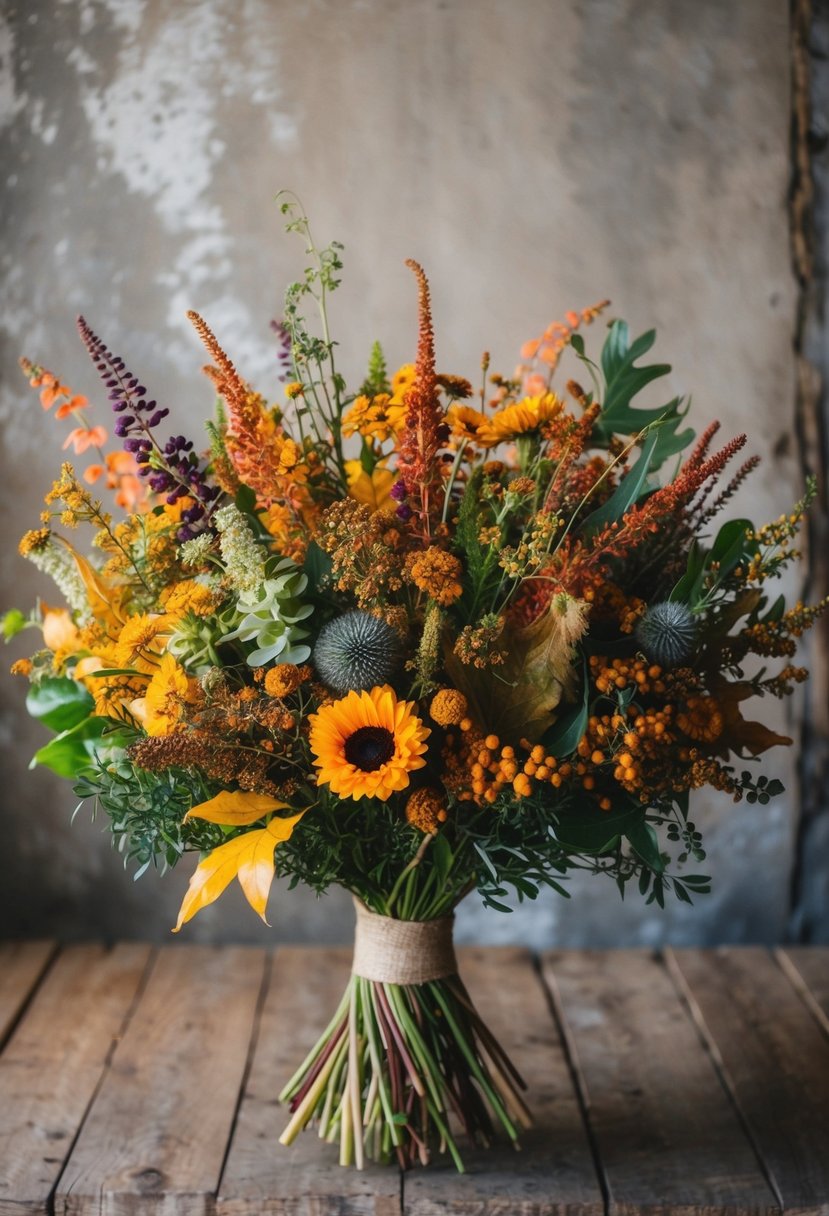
(402, 951)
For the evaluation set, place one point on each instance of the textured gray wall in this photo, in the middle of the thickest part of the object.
(534, 155)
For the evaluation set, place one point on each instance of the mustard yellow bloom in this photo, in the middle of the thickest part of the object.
(366, 744)
(190, 596)
(469, 424)
(401, 382)
(375, 417)
(525, 417)
(139, 641)
(163, 703)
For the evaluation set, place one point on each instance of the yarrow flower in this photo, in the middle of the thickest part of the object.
(367, 744)
(243, 558)
(436, 572)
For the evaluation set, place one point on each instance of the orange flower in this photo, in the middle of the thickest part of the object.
(82, 438)
(69, 407)
(52, 390)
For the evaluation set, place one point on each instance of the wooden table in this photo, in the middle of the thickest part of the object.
(135, 1079)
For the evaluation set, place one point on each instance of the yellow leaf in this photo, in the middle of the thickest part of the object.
(373, 489)
(248, 858)
(235, 810)
(102, 599)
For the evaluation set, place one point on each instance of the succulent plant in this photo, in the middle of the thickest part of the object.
(356, 651)
(269, 616)
(667, 633)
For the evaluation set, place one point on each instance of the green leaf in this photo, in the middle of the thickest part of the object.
(628, 491)
(245, 500)
(13, 622)
(687, 589)
(317, 565)
(442, 858)
(71, 752)
(592, 831)
(645, 842)
(59, 703)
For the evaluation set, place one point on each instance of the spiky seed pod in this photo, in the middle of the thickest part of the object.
(667, 633)
(356, 651)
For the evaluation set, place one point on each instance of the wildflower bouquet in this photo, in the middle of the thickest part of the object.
(413, 646)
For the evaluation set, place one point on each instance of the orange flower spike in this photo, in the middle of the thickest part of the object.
(422, 437)
(52, 391)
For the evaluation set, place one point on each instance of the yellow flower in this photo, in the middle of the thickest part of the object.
(523, 418)
(448, 707)
(139, 641)
(372, 489)
(426, 810)
(167, 693)
(190, 596)
(436, 572)
(293, 390)
(401, 382)
(374, 417)
(367, 744)
(470, 424)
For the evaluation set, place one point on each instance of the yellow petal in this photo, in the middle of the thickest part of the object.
(256, 871)
(236, 809)
(250, 857)
(101, 598)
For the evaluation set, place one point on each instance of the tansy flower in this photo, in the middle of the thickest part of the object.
(525, 417)
(282, 680)
(366, 744)
(448, 707)
(165, 698)
(436, 572)
(426, 810)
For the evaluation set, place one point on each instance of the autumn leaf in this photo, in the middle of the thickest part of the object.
(248, 858)
(237, 809)
(740, 736)
(102, 600)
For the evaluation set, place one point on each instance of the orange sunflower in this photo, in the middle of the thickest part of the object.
(367, 743)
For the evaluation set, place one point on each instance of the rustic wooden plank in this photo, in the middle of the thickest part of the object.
(262, 1178)
(21, 966)
(156, 1135)
(775, 1059)
(808, 969)
(553, 1174)
(54, 1062)
(667, 1135)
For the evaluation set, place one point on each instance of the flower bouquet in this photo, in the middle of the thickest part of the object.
(418, 641)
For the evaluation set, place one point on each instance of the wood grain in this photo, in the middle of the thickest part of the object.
(554, 1172)
(775, 1059)
(808, 969)
(54, 1062)
(261, 1176)
(667, 1135)
(21, 966)
(157, 1133)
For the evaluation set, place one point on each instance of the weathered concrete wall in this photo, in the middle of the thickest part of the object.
(535, 156)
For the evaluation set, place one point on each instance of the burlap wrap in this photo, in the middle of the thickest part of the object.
(402, 951)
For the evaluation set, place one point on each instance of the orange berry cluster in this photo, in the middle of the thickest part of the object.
(616, 674)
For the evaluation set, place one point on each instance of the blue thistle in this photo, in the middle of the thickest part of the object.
(667, 633)
(356, 651)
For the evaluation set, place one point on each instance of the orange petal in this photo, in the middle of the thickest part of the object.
(92, 474)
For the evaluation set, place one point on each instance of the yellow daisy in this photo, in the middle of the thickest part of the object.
(523, 418)
(367, 743)
(163, 703)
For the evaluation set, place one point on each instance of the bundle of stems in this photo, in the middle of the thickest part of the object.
(398, 1069)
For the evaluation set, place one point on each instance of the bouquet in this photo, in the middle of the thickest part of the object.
(420, 640)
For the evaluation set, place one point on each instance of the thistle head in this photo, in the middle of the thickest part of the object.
(667, 633)
(356, 651)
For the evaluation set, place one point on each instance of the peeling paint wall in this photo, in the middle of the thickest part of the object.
(534, 156)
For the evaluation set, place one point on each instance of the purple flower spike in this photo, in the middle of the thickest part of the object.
(398, 491)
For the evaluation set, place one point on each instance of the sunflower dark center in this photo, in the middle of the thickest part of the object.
(369, 747)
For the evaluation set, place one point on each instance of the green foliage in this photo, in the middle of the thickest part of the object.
(623, 380)
(629, 490)
(377, 377)
(59, 703)
(13, 622)
(146, 811)
(72, 752)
